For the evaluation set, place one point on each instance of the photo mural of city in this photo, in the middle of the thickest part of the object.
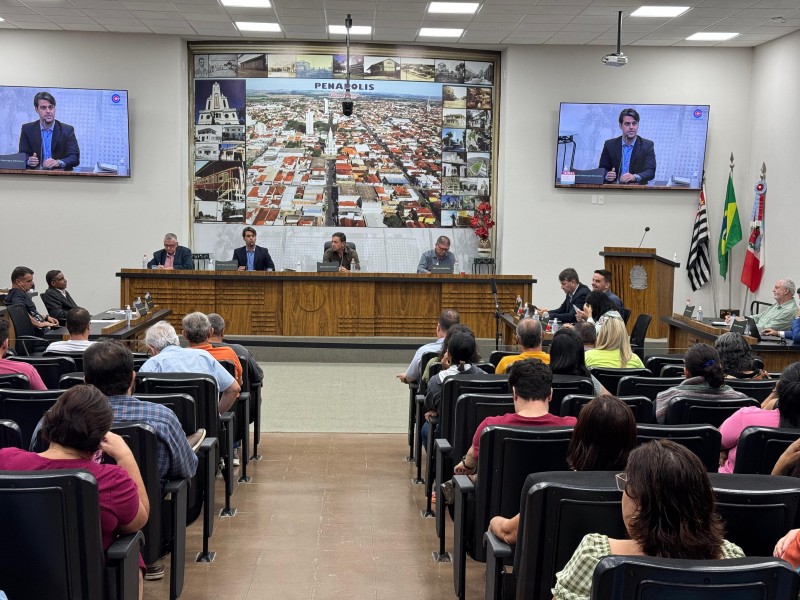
(272, 147)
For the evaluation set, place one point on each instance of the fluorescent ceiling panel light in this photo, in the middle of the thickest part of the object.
(354, 30)
(711, 36)
(247, 3)
(253, 26)
(440, 32)
(457, 8)
(659, 11)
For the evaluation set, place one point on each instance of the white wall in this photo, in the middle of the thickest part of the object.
(89, 228)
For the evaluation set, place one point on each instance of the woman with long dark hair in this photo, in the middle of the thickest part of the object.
(599, 308)
(567, 357)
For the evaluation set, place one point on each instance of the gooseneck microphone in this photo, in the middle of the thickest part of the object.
(646, 229)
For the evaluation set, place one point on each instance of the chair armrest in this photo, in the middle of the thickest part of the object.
(464, 490)
(123, 566)
(176, 491)
(443, 446)
(497, 551)
(496, 547)
(463, 485)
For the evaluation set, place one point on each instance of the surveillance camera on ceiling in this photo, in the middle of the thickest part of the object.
(615, 60)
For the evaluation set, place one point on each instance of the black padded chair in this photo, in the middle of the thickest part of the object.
(419, 418)
(27, 342)
(413, 391)
(609, 378)
(255, 405)
(703, 440)
(626, 315)
(639, 334)
(758, 389)
(672, 371)
(241, 409)
(645, 577)
(656, 363)
(507, 455)
(165, 530)
(26, 407)
(486, 367)
(646, 386)
(642, 407)
(50, 368)
(10, 434)
(557, 509)
(63, 509)
(564, 385)
(497, 355)
(139, 358)
(69, 380)
(686, 410)
(757, 305)
(14, 381)
(759, 448)
(77, 357)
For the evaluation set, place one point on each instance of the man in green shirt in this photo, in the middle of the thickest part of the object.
(779, 316)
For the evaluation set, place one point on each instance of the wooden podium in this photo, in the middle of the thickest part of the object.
(645, 282)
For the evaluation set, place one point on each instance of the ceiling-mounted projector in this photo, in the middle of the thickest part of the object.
(615, 60)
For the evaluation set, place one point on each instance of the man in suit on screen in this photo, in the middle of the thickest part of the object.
(628, 158)
(251, 257)
(47, 143)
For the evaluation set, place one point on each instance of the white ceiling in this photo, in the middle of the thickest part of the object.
(497, 24)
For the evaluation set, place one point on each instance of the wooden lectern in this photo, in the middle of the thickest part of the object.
(645, 282)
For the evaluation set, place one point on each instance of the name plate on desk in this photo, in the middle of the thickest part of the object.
(688, 311)
(442, 269)
(591, 176)
(13, 161)
(330, 267)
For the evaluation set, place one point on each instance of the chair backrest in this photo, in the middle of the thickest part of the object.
(639, 331)
(10, 434)
(14, 381)
(139, 358)
(77, 357)
(671, 371)
(457, 385)
(61, 507)
(556, 511)
(760, 447)
(497, 355)
(656, 363)
(26, 407)
(470, 410)
(642, 577)
(703, 440)
(646, 386)
(685, 410)
(350, 245)
(609, 378)
(757, 509)
(423, 362)
(22, 328)
(758, 389)
(183, 405)
(201, 387)
(564, 385)
(486, 367)
(626, 315)
(68, 380)
(50, 368)
(643, 408)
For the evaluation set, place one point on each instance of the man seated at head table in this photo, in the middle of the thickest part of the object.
(251, 257)
(576, 296)
(339, 252)
(56, 298)
(21, 284)
(792, 332)
(778, 317)
(440, 256)
(173, 256)
(529, 338)
(78, 324)
(11, 367)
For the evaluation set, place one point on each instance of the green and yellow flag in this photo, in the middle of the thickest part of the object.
(731, 233)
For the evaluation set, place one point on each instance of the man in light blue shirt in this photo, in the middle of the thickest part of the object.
(447, 318)
(167, 356)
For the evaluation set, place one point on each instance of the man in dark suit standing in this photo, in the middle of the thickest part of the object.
(628, 158)
(56, 298)
(251, 257)
(47, 143)
(172, 256)
(576, 296)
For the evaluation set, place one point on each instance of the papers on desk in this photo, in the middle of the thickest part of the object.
(106, 322)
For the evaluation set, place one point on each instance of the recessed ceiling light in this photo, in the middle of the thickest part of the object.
(254, 26)
(440, 32)
(461, 8)
(711, 36)
(247, 3)
(659, 11)
(354, 30)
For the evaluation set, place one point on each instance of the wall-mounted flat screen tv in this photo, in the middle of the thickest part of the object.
(635, 146)
(68, 131)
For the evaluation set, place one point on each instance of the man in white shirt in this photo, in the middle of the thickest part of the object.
(78, 320)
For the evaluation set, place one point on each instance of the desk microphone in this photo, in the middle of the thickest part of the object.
(646, 229)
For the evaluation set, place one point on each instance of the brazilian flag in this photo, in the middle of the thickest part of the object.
(731, 233)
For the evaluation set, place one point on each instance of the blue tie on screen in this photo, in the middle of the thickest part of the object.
(250, 258)
(626, 158)
(47, 135)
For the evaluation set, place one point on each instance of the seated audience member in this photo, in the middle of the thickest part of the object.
(601, 282)
(77, 428)
(705, 379)
(597, 310)
(21, 284)
(529, 338)
(576, 296)
(602, 439)
(567, 357)
(531, 383)
(439, 256)
(779, 316)
(251, 257)
(613, 348)
(786, 415)
(172, 256)
(669, 511)
(341, 253)
(737, 358)
(447, 318)
(167, 356)
(197, 329)
(588, 334)
(439, 357)
(788, 548)
(78, 325)
(9, 367)
(216, 337)
(56, 298)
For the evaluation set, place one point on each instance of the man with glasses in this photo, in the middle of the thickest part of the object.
(56, 298)
(779, 316)
(172, 256)
(440, 256)
(792, 332)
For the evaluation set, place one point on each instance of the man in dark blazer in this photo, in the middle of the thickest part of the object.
(576, 296)
(63, 153)
(251, 257)
(56, 298)
(628, 158)
(172, 256)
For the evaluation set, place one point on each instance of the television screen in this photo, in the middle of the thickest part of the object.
(86, 131)
(641, 146)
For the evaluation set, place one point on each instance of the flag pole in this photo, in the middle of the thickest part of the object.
(762, 180)
(713, 285)
(728, 277)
